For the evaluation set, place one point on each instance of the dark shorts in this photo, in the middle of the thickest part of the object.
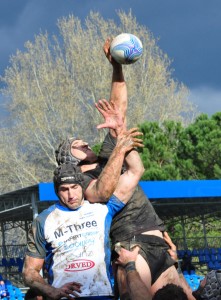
(154, 250)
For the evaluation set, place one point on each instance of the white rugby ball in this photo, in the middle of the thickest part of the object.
(126, 48)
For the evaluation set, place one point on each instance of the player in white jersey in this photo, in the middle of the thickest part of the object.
(72, 236)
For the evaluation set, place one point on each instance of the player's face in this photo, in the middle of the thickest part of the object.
(82, 151)
(71, 195)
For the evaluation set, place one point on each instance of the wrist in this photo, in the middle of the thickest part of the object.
(117, 67)
(130, 266)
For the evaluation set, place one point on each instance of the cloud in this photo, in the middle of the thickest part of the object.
(207, 99)
(189, 33)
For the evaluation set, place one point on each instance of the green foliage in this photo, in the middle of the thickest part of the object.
(175, 152)
(200, 148)
(160, 152)
(96, 148)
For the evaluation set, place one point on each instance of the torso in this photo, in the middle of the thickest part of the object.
(77, 245)
(138, 214)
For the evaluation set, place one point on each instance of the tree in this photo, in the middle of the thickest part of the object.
(159, 154)
(53, 84)
(175, 152)
(200, 148)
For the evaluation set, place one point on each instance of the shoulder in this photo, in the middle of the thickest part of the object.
(43, 216)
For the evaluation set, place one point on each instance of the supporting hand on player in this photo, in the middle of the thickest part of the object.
(69, 290)
(128, 140)
(173, 250)
(126, 256)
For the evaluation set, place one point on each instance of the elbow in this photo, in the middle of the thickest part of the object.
(25, 277)
(141, 171)
(105, 195)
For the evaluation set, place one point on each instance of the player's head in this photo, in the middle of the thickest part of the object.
(68, 185)
(74, 151)
(210, 287)
(170, 291)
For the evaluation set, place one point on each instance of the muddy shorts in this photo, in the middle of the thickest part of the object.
(154, 250)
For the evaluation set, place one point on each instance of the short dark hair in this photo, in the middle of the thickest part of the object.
(170, 291)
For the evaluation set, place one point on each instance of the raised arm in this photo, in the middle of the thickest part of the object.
(101, 189)
(118, 94)
(129, 180)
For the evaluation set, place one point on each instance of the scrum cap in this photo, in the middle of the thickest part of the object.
(63, 153)
(67, 173)
(212, 288)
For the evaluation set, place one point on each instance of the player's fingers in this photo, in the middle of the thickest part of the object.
(136, 133)
(106, 45)
(136, 249)
(138, 145)
(136, 140)
(133, 132)
(103, 103)
(99, 108)
(104, 125)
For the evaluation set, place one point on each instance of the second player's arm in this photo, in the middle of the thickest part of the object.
(101, 189)
(129, 180)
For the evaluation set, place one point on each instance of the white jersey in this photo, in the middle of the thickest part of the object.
(75, 245)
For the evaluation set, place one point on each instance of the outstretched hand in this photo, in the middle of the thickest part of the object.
(112, 116)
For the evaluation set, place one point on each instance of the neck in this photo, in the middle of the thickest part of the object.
(85, 168)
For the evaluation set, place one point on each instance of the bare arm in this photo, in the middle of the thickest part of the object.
(33, 279)
(101, 189)
(118, 94)
(138, 290)
(129, 180)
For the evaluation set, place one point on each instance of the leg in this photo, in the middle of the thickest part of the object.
(171, 276)
(144, 272)
(122, 284)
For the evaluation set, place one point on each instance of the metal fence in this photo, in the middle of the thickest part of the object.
(10, 251)
(198, 243)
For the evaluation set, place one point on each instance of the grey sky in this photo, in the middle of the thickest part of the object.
(189, 32)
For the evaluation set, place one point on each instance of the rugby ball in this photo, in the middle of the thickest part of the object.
(126, 48)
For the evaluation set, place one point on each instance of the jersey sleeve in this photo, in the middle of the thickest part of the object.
(114, 205)
(36, 241)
